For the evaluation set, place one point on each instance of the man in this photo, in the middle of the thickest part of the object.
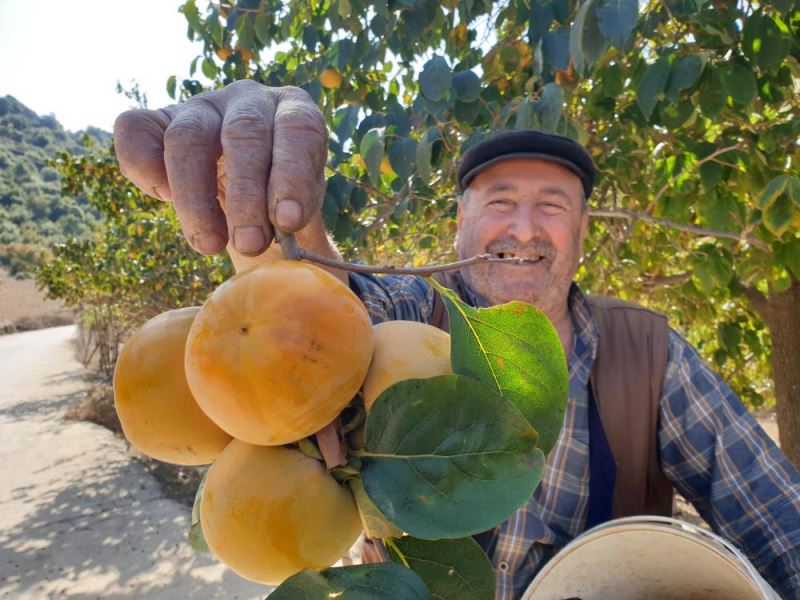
(524, 195)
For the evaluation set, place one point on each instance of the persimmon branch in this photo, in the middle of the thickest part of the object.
(292, 251)
(635, 216)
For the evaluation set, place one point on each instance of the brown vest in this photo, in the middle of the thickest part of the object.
(626, 380)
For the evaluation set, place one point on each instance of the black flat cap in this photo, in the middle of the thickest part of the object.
(527, 143)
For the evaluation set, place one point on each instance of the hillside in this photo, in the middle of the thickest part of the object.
(33, 214)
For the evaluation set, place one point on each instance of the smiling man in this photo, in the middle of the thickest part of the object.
(645, 413)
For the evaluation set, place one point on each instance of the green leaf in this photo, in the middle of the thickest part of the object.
(779, 216)
(550, 106)
(525, 115)
(450, 568)
(683, 75)
(793, 190)
(261, 26)
(555, 48)
(310, 38)
(712, 94)
(675, 115)
(541, 19)
(209, 68)
(586, 42)
(375, 524)
(423, 158)
(710, 174)
(514, 349)
(345, 121)
(171, 83)
(446, 457)
(772, 191)
(765, 42)
(467, 86)
(371, 149)
(402, 155)
(731, 335)
(383, 581)
(719, 211)
(739, 83)
(618, 20)
(788, 255)
(711, 268)
(652, 85)
(196, 537)
(435, 78)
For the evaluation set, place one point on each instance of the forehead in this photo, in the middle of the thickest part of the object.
(523, 173)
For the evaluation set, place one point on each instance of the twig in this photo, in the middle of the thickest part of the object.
(292, 251)
(652, 283)
(634, 216)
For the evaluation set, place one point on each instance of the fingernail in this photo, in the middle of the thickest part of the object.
(249, 239)
(208, 243)
(289, 215)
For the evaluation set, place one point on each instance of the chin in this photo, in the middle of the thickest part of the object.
(503, 294)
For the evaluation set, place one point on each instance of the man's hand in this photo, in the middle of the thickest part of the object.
(273, 146)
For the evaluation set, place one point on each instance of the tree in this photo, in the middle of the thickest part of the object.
(134, 267)
(689, 108)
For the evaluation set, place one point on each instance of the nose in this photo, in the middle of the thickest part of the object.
(524, 225)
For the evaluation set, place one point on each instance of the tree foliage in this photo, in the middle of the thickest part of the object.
(135, 265)
(689, 108)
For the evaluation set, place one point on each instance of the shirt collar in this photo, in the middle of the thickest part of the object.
(585, 328)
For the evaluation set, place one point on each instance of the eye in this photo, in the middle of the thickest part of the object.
(552, 208)
(500, 203)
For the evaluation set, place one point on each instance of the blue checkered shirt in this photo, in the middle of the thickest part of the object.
(711, 448)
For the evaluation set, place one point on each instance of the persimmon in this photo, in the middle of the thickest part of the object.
(330, 78)
(405, 350)
(159, 415)
(269, 512)
(278, 351)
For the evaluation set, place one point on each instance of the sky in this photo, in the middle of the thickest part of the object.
(65, 57)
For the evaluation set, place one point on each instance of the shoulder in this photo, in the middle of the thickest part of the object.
(602, 305)
(394, 297)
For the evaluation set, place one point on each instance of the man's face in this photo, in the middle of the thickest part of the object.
(527, 208)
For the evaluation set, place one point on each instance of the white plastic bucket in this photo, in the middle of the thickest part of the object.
(643, 558)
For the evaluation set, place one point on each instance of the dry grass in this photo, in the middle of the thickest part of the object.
(97, 406)
(23, 307)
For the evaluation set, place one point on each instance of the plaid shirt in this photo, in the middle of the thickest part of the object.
(712, 449)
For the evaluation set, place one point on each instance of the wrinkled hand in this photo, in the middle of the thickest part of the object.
(233, 162)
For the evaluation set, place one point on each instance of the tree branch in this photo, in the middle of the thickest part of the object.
(634, 216)
(292, 251)
(758, 301)
(652, 283)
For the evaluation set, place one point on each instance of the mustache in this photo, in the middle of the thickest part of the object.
(543, 248)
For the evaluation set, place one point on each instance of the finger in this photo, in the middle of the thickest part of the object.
(247, 150)
(299, 151)
(191, 149)
(139, 146)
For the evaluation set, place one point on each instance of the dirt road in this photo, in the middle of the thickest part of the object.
(78, 517)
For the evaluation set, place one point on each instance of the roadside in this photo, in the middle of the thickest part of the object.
(78, 517)
(23, 307)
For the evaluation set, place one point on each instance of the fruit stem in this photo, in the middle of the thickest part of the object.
(294, 252)
(390, 543)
